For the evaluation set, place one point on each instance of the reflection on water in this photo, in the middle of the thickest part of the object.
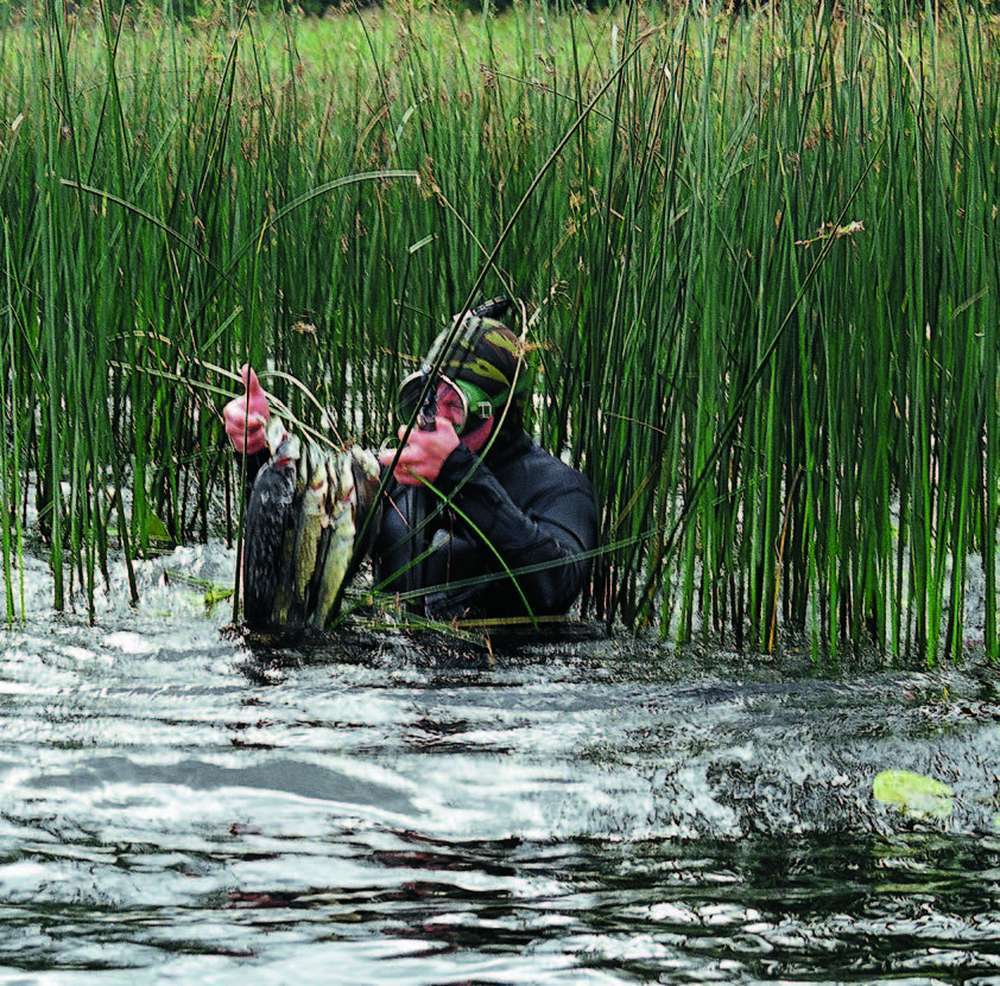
(174, 804)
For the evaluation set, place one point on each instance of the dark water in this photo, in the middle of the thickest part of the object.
(177, 807)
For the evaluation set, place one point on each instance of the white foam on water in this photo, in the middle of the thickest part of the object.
(130, 643)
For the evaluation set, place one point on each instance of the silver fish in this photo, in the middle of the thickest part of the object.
(341, 545)
(314, 519)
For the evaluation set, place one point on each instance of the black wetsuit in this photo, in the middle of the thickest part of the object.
(528, 505)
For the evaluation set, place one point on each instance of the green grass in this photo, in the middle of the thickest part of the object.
(790, 419)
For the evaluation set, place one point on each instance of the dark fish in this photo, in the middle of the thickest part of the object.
(270, 516)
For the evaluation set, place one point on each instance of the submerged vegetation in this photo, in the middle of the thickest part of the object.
(762, 273)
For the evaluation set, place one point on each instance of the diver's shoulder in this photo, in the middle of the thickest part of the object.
(554, 468)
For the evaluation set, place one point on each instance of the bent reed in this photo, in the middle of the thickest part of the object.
(767, 263)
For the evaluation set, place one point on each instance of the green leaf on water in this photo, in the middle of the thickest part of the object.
(156, 530)
(913, 794)
(217, 594)
(213, 593)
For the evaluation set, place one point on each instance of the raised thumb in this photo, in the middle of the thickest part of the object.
(250, 380)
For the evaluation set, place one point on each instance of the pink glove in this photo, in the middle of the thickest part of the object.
(424, 454)
(246, 416)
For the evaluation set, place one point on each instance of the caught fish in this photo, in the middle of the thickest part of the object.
(274, 434)
(366, 468)
(283, 594)
(269, 518)
(340, 549)
(311, 520)
(368, 510)
(305, 470)
(314, 519)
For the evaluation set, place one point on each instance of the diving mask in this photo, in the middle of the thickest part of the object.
(476, 405)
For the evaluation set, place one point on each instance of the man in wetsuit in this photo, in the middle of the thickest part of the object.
(508, 497)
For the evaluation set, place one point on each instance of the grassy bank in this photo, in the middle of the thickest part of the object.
(767, 263)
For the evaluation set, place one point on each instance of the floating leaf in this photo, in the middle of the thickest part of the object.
(913, 794)
(213, 592)
(156, 530)
(217, 594)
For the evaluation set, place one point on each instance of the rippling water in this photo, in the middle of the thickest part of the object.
(176, 805)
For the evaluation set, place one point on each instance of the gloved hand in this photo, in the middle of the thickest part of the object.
(424, 454)
(246, 416)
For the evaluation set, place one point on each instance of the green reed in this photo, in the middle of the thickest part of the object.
(766, 262)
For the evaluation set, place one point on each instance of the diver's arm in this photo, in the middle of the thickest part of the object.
(560, 525)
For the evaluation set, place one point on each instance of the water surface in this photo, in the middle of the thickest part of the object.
(178, 805)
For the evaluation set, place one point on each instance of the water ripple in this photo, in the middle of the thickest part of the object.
(177, 805)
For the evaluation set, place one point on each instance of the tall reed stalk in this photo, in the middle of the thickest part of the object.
(767, 263)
